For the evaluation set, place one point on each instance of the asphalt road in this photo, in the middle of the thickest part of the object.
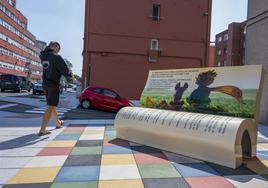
(72, 114)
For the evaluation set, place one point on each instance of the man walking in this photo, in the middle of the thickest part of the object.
(53, 68)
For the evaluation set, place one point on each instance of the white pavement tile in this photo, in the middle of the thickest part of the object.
(248, 181)
(94, 128)
(117, 172)
(38, 144)
(91, 137)
(16, 132)
(91, 122)
(13, 162)
(46, 161)
(6, 174)
(20, 152)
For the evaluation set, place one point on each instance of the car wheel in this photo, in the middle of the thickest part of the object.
(34, 92)
(86, 104)
(2, 90)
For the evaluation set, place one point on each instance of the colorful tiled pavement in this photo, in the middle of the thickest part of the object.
(86, 156)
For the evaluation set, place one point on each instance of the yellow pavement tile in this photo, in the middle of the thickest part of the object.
(91, 132)
(121, 183)
(121, 159)
(34, 175)
(260, 167)
(57, 143)
(264, 145)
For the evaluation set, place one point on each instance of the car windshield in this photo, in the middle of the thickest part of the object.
(6, 77)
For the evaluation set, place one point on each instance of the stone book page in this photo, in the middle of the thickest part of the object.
(191, 134)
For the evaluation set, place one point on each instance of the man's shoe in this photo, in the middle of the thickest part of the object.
(44, 133)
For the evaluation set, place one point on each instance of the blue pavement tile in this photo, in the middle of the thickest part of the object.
(109, 128)
(68, 137)
(78, 173)
(110, 134)
(226, 171)
(83, 160)
(195, 170)
(116, 150)
(263, 155)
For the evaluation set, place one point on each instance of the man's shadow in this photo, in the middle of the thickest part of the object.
(22, 141)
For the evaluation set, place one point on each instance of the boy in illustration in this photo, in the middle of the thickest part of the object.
(199, 98)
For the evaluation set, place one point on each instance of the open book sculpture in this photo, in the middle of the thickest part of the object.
(207, 113)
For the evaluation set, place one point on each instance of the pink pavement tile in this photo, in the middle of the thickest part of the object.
(53, 151)
(116, 142)
(209, 182)
(151, 158)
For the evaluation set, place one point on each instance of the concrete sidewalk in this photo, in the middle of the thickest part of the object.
(26, 159)
(86, 154)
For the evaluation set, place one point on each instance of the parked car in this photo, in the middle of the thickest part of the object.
(14, 82)
(102, 98)
(38, 88)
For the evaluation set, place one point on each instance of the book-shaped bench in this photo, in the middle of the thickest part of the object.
(206, 113)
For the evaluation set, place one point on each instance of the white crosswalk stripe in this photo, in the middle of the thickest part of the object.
(7, 106)
(41, 110)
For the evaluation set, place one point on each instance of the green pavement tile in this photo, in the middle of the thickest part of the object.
(158, 171)
(110, 135)
(265, 176)
(91, 184)
(95, 150)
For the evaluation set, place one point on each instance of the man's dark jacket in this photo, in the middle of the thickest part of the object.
(53, 68)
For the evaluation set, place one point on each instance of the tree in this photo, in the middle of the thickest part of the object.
(69, 64)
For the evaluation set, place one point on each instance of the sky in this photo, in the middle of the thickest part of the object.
(63, 21)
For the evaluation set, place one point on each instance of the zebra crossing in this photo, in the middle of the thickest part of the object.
(41, 110)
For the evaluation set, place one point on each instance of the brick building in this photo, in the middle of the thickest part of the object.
(124, 39)
(230, 46)
(257, 46)
(18, 52)
(211, 59)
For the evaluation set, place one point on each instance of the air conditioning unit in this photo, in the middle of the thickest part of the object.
(154, 54)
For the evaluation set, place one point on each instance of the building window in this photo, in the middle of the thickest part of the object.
(225, 37)
(225, 63)
(225, 51)
(219, 52)
(219, 64)
(11, 2)
(219, 39)
(154, 44)
(156, 12)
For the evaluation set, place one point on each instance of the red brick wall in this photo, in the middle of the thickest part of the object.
(118, 35)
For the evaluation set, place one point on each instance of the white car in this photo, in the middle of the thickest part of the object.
(38, 88)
